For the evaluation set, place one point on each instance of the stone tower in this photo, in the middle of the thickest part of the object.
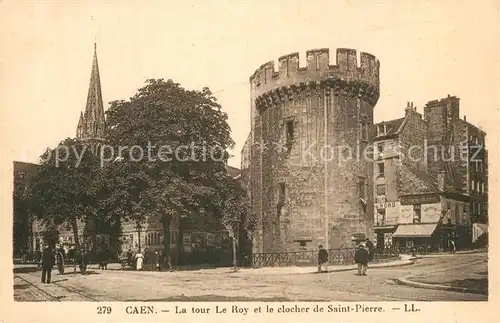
(92, 124)
(310, 182)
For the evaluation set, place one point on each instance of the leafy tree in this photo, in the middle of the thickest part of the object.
(173, 145)
(64, 190)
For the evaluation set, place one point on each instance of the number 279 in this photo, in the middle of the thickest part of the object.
(104, 310)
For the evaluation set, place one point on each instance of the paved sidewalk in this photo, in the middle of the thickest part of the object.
(405, 260)
(471, 277)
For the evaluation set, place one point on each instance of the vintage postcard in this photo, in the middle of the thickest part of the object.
(197, 161)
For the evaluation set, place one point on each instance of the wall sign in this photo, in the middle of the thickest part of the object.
(421, 199)
(386, 205)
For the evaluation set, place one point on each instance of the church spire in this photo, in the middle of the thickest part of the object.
(80, 127)
(93, 124)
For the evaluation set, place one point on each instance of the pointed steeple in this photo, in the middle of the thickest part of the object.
(93, 120)
(80, 127)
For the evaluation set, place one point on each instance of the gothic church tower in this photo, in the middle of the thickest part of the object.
(92, 123)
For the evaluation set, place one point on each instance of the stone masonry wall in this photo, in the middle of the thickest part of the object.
(314, 180)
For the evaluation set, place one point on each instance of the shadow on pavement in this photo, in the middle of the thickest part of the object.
(480, 284)
(59, 280)
(24, 270)
(23, 286)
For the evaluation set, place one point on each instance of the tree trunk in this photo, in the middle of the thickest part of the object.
(235, 263)
(166, 240)
(74, 225)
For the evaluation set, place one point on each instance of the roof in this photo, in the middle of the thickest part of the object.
(428, 183)
(233, 171)
(392, 127)
(419, 230)
(24, 167)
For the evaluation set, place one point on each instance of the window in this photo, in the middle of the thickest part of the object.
(479, 208)
(281, 197)
(362, 188)
(416, 213)
(289, 129)
(380, 147)
(472, 185)
(457, 214)
(380, 220)
(381, 189)
(364, 131)
(482, 188)
(381, 129)
(303, 243)
(281, 193)
(381, 169)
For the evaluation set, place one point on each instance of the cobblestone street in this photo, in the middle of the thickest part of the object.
(278, 284)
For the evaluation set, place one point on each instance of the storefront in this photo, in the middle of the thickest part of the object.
(417, 235)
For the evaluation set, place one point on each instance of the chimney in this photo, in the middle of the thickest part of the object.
(409, 107)
(465, 118)
(440, 180)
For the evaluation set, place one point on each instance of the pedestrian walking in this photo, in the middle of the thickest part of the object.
(60, 261)
(322, 259)
(48, 261)
(139, 258)
(452, 245)
(371, 249)
(361, 258)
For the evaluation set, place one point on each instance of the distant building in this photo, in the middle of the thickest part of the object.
(422, 195)
(22, 235)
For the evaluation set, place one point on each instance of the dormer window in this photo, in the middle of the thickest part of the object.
(381, 129)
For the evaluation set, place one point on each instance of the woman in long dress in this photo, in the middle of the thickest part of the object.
(139, 258)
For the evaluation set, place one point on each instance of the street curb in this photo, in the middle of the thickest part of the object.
(407, 263)
(406, 281)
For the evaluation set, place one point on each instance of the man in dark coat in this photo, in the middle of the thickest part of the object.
(371, 249)
(48, 261)
(322, 259)
(361, 258)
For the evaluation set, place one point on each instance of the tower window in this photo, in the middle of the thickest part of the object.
(281, 198)
(289, 129)
(362, 188)
(364, 130)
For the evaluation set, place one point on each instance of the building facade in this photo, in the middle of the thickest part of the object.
(426, 174)
(309, 184)
(23, 172)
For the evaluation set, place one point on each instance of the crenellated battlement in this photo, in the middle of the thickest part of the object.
(288, 72)
(345, 73)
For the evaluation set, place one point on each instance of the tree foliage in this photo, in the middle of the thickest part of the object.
(64, 190)
(183, 136)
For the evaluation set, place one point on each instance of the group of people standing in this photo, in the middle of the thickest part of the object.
(362, 256)
(139, 257)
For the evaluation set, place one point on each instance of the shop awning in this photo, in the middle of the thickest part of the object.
(415, 230)
(478, 229)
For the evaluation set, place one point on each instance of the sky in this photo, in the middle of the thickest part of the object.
(426, 49)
